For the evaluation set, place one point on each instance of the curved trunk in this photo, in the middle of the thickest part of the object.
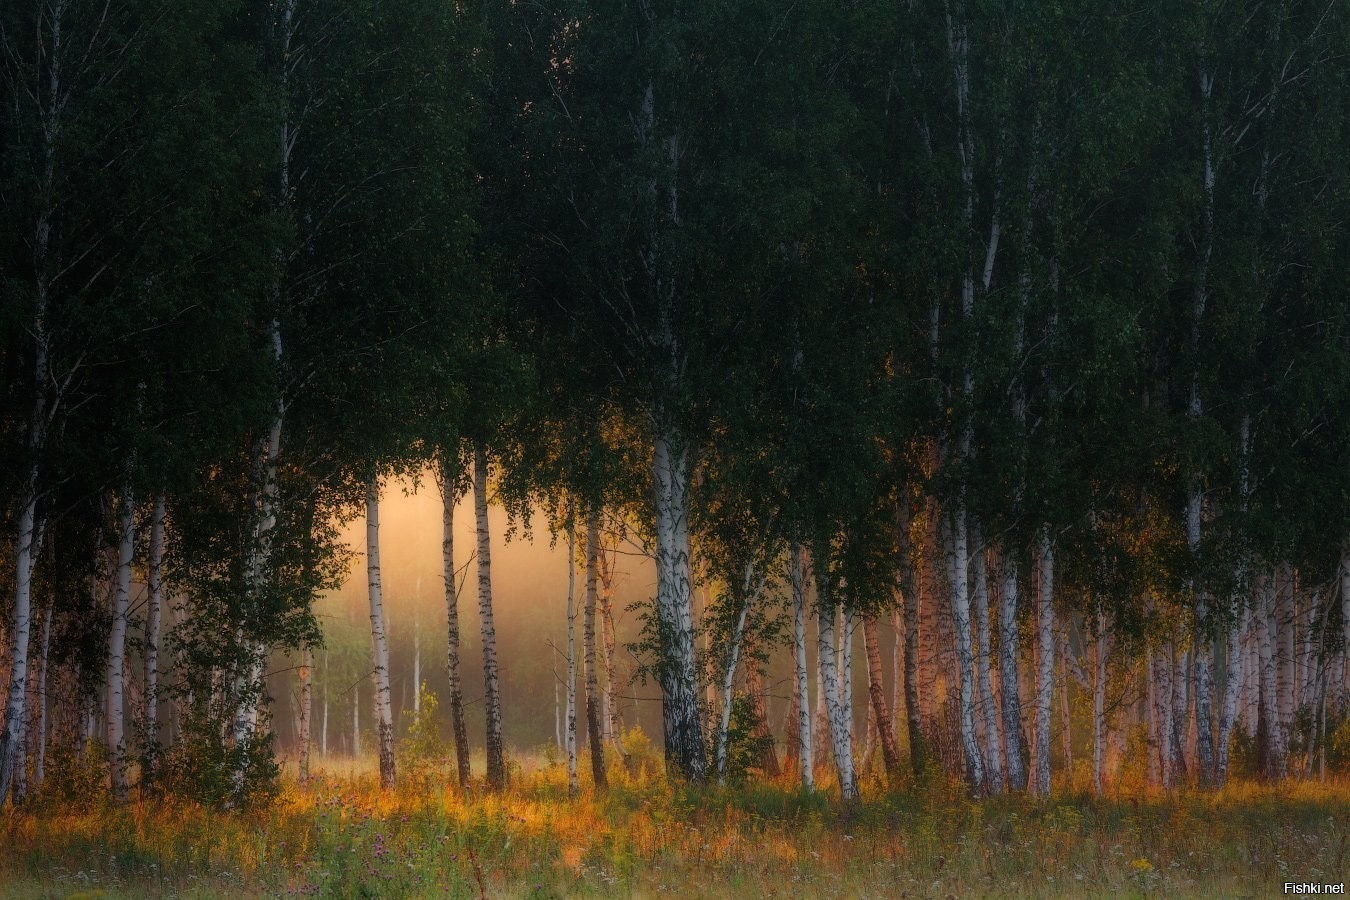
(384, 715)
(492, 699)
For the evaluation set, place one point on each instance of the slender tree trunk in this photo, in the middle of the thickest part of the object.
(846, 674)
(306, 708)
(797, 577)
(1100, 650)
(613, 712)
(1233, 677)
(1284, 652)
(890, 753)
(1066, 736)
(1014, 744)
(728, 680)
(384, 716)
(965, 655)
(682, 726)
(834, 703)
(153, 613)
(1045, 624)
(449, 479)
(984, 683)
(588, 645)
(417, 665)
(492, 701)
(117, 640)
(356, 722)
(570, 714)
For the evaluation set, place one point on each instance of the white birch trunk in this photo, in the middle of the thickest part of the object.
(117, 640)
(965, 657)
(683, 729)
(449, 485)
(384, 714)
(1014, 750)
(797, 577)
(984, 684)
(492, 702)
(834, 703)
(593, 736)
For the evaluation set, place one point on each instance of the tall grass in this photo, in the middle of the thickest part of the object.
(340, 836)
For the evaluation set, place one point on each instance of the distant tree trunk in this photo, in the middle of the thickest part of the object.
(1180, 707)
(323, 733)
(682, 725)
(153, 612)
(845, 638)
(117, 641)
(890, 753)
(754, 688)
(1014, 743)
(356, 721)
(492, 701)
(588, 641)
(1271, 743)
(570, 714)
(417, 665)
(801, 691)
(984, 683)
(384, 716)
(306, 707)
(450, 480)
(1284, 650)
(1045, 661)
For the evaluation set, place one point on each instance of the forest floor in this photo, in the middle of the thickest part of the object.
(339, 836)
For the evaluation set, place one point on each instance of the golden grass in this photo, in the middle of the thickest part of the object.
(340, 836)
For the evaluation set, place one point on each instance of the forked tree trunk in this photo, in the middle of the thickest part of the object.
(801, 691)
(117, 642)
(492, 699)
(384, 716)
(449, 483)
(588, 641)
(890, 753)
(834, 703)
(1045, 662)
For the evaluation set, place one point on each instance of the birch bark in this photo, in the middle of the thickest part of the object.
(449, 485)
(588, 641)
(797, 577)
(384, 715)
(1045, 662)
(117, 640)
(492, 702)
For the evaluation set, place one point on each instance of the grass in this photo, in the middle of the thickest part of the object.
(340, 836)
